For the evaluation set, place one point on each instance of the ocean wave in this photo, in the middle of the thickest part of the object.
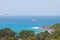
(35, 27)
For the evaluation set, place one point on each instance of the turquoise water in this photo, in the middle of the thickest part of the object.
(26, 23)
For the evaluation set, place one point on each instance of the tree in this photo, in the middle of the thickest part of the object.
(42, 35)
(6, 32)
(26, 33)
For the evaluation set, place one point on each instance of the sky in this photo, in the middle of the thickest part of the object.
(30, 7)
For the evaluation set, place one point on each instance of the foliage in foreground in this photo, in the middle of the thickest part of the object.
(8, 34)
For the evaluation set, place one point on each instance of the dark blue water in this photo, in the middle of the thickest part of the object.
(26, 23)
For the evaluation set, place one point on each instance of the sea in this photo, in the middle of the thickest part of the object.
(19, 23)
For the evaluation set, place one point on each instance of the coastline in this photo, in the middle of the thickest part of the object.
(25, 23)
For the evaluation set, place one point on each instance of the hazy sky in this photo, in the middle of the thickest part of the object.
(30, 7)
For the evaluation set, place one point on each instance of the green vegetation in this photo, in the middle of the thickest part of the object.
(8, 34)
(12, 38)
(27, 34)
(42, 35)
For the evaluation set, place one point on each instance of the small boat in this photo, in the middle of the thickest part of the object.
(34, 20)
